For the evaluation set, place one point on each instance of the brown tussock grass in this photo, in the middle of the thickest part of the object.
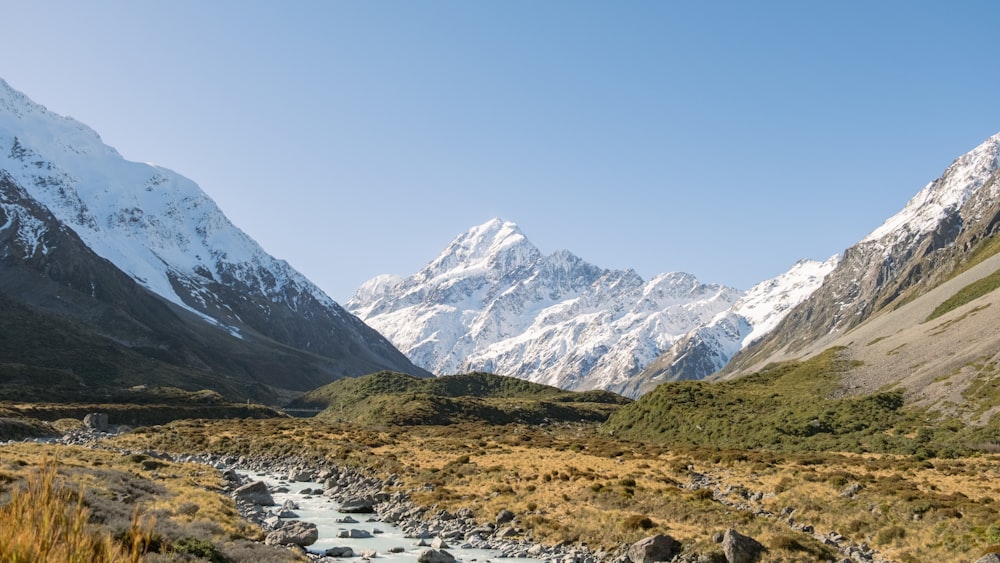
(46, 522)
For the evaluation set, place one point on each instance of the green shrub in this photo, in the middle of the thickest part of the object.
(199, 548)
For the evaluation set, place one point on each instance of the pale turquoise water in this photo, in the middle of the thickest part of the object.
(322, 511)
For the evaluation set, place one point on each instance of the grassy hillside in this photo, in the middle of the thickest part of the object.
(51, 358)
(795, 406)
(395, 398)
(967, 294)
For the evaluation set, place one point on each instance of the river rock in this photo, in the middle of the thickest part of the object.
(339, 552)
(296, 532)
(354, 533)
(504, 516)
(739, 548)
(255, 493)
(357, 505)
(300, 475)
(438, 543)
(96, 421)
(989, 558)
(653, 548)
(506, 532)
(346, 520)
(435, 556)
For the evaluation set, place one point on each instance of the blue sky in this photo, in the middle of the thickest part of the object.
(724, 139)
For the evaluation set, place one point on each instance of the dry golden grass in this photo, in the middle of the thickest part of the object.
(46, 522)
(108, 498)
(569, 483)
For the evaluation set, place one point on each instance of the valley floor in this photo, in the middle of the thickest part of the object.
(570, 483)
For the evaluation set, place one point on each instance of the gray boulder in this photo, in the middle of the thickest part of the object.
(357, 505)
(654, 548)
(505, 532)
(296, 532)
(739, 548)
(255, 493)
(504, 516)
(346, 520)
(339, 552)
(354, 533)
(438, 543)
(990, 558)
(435, 556)
(96, 421)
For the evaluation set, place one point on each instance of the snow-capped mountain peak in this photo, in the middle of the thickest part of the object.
(167, 235)
(925, 211)
(493, 302)
(153, 223)
(496, 246)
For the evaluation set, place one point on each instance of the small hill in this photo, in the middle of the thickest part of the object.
(395, 398)
(798, 406)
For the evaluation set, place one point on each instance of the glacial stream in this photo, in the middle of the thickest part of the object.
(323, 512)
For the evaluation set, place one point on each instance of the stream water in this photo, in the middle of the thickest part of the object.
(323, 512)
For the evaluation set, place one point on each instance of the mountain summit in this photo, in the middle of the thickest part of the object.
(491, 301)
(165, 234)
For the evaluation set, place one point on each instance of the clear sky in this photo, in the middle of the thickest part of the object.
(724, 139)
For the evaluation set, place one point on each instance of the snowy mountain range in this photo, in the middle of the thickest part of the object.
(163, 232)
(491, 301)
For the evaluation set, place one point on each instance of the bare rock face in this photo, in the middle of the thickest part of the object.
(654, 548)
(739, 548)
(295, 532)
